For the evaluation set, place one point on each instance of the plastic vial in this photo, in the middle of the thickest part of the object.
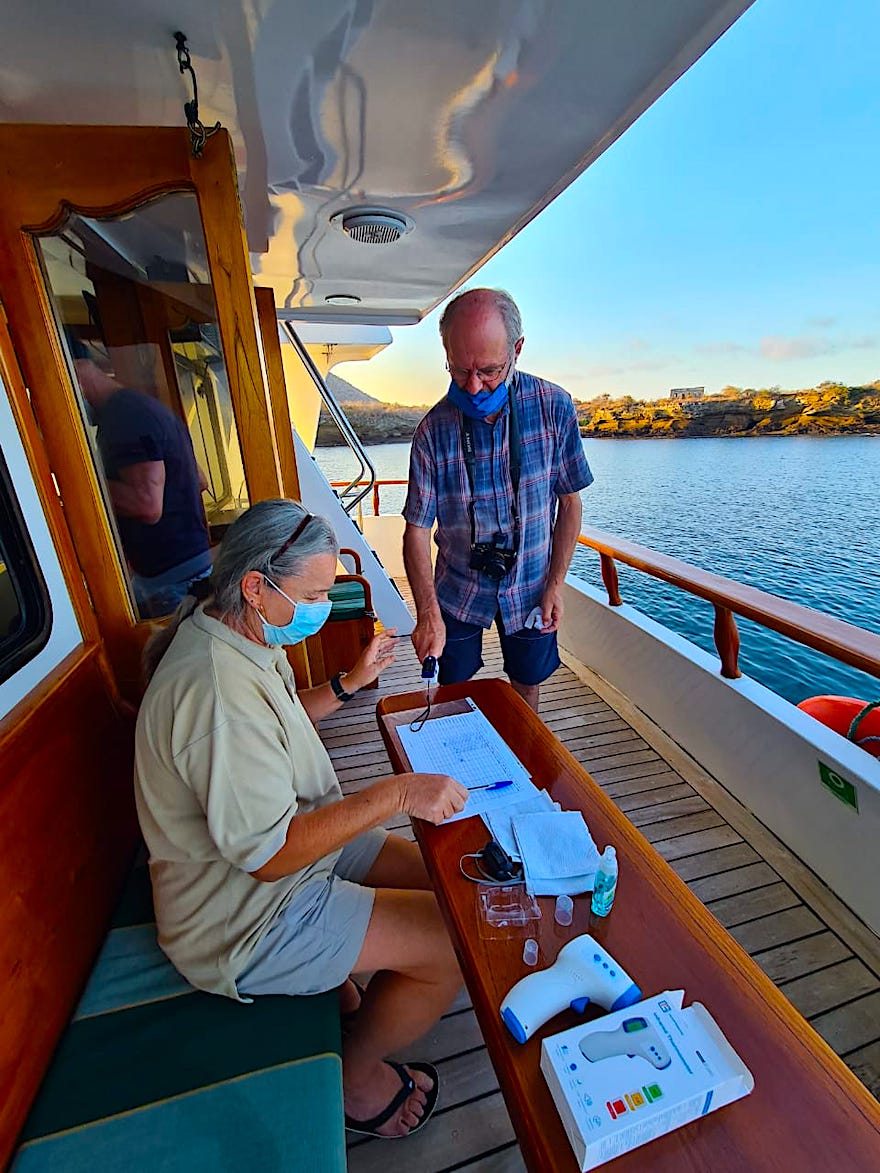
(563, 912)
(530, 952)
(605, 884)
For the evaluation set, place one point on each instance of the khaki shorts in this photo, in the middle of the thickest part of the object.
(314, 942)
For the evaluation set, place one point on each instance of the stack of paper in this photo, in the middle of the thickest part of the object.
(557, 852)
(500, 822)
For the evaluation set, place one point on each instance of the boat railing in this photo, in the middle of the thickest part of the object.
(823, 633)
(371, 484)
(352, 495)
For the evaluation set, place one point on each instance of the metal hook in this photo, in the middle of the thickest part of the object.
(199, 133)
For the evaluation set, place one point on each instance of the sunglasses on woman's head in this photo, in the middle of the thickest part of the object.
(300, 529)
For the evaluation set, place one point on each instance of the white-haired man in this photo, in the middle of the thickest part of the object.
(499, 465)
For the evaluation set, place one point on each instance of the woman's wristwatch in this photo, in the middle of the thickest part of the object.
(339, 691)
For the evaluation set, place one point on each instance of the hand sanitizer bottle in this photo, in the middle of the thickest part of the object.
(605, 884)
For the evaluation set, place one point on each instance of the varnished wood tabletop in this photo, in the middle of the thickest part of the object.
(807, 1111)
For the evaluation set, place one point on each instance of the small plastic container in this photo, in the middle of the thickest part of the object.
(564, 910)
(530, 952)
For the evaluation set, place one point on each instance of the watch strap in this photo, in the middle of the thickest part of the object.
(339, 691)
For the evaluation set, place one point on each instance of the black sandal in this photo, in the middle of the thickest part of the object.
(407, 1087)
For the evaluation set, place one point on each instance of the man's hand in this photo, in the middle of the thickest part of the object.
(551, 610)
(375, 658)
(433, 797)
(429, 636)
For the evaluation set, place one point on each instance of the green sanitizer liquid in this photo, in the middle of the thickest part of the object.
(605, 884)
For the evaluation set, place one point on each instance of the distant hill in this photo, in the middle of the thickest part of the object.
(347, 392)
(375, 422)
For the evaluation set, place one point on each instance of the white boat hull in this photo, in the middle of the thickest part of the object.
(761, 748)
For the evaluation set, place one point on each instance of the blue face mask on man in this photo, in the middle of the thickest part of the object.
(307, 619)
(482, 404)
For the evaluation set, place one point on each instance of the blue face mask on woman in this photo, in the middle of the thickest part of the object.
(480, 405)
(307, 619)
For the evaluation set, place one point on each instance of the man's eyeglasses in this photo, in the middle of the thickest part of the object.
(484, 374)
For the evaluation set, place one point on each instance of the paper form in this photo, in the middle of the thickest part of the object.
(468, 748)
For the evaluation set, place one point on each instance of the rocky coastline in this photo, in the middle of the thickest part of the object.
(827, 410)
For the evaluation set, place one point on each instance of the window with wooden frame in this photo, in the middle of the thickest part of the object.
(25, 610)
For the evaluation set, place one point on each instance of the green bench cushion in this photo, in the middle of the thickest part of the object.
(145, 1048)
(286, 1118)
(348, 601)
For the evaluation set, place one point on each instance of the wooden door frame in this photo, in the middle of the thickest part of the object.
(46, 173)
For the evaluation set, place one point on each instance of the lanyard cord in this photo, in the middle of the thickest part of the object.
(467, 444)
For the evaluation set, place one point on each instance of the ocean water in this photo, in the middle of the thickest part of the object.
(798, 516)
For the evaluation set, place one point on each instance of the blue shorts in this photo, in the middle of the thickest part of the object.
(530, 656)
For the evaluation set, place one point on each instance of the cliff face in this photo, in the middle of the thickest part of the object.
(830, 409)
(374, 422)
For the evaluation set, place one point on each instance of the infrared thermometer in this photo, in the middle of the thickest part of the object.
(583, 973)
(635, 1037)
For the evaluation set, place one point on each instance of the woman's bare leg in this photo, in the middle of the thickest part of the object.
(398, 865)
(416, 979)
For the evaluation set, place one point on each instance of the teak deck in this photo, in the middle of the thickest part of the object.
(802, 949)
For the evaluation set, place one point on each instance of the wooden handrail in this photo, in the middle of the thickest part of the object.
(843, 641)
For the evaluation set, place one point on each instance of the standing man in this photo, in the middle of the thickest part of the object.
(498, 463)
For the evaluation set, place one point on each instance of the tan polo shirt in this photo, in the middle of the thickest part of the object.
(225, 756)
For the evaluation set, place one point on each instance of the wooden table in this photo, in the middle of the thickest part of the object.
(807, 1111)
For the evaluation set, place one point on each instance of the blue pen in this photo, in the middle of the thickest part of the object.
(493, 785)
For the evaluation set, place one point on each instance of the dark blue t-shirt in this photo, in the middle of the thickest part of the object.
(133, 428)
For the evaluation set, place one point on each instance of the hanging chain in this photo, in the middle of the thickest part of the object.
(198, 132)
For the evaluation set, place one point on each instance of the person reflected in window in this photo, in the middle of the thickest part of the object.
(154, 482)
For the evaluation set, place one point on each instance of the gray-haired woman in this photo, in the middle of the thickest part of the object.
(266, 879)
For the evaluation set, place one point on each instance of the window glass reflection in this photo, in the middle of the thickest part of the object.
(11, 614)
(25, 611)
(134, 303)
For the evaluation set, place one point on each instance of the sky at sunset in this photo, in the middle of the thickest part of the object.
(730, 236)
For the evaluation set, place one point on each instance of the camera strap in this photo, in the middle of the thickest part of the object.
(515, 446)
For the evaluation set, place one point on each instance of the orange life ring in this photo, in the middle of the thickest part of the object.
(848, 716)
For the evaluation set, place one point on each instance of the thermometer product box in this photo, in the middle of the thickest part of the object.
(628, 1077)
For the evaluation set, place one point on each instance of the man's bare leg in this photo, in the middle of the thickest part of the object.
(530, 693)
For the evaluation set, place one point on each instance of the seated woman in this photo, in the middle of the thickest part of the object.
(266, 879)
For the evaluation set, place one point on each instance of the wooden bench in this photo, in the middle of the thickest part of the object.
(152, 1074)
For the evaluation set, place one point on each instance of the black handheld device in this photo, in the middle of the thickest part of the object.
(497, 864)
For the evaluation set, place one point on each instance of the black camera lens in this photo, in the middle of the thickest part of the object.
(491, 560)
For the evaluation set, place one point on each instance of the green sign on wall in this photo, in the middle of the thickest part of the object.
(838, 786)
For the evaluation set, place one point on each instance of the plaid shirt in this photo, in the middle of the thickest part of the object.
(553, 465)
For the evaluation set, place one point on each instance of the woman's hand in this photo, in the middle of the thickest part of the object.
(433, 797)
(375, 658)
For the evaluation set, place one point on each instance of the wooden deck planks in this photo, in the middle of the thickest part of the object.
(836, 990)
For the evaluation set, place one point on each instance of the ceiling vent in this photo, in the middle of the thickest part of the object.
(373, 225)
